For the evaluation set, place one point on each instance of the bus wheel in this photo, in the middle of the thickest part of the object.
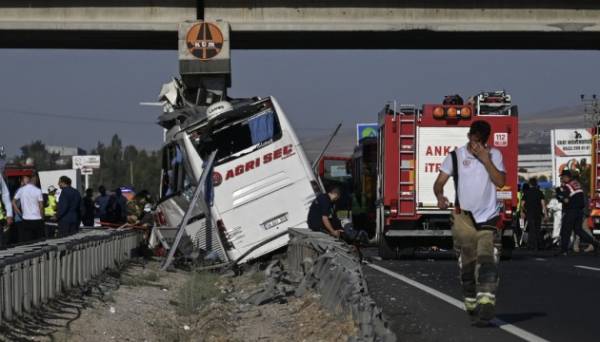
(386, 249)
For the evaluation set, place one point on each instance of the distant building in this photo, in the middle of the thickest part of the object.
(535, 165)
(65, 153)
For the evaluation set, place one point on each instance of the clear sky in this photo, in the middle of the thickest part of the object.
(41, 91)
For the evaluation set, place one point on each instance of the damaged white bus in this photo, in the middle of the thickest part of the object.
(262, 181)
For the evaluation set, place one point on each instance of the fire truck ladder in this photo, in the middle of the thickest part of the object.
(407, 140)
(596, 159)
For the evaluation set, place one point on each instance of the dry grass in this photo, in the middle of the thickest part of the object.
(199, 289)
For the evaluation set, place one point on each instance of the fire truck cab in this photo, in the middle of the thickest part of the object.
(412, 144)
(13, 174)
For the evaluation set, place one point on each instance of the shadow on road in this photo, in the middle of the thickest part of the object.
(513, 318)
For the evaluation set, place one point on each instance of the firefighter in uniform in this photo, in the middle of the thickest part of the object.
(477, 171)
(573, 201)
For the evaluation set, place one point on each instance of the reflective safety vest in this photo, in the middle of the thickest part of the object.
(519, 199)
(50, 209)
(2, 212)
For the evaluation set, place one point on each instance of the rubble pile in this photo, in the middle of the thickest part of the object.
(318, 263)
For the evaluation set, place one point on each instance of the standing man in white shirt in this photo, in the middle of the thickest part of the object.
(477, 171)
(32, 210)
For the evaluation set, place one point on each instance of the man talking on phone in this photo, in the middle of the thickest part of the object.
(477, 171)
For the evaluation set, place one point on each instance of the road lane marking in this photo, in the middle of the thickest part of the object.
(527, 336)
(588, 268)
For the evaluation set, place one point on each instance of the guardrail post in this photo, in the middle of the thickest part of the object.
(17, 287)
(7, 292)
(35, 281)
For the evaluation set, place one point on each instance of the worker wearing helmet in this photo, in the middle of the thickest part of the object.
(477, 171)
(50, 209)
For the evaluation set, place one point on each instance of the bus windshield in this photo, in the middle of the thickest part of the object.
(238, 136)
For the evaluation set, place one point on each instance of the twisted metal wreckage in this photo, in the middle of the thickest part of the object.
(235, 178)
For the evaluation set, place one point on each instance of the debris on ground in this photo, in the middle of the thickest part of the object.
(145, 304)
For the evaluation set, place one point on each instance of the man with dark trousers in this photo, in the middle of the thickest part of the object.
(30, 208)
(322, 216)
(69, 208)
(573, 201)
(535, 210)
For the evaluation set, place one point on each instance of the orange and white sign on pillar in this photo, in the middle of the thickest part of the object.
(204, 49)
(204, 40)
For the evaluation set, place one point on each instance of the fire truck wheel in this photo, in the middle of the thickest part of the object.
(387, 249)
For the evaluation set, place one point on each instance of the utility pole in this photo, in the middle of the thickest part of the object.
(131, 172)
(591, 115)
(591, 109)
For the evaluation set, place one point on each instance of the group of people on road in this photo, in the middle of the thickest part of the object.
(116, 210)
(478, 170)
(24, 217)
(566, 209)
(31, 215)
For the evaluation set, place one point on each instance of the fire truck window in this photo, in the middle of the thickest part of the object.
(336, 169)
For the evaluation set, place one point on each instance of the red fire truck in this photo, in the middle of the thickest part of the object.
(13, 174)
(594, 219)
(412, 144)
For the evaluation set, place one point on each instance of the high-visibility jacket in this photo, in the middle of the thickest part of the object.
(50, 209)
(519, 201)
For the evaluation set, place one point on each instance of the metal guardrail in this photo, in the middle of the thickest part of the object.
(334, 270)
(31, 275)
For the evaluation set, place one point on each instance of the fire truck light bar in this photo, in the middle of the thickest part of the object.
(441, 113)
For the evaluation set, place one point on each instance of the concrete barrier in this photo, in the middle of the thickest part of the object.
(329, 267)
(31, 275)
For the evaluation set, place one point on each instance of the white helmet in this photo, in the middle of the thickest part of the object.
(217, 109)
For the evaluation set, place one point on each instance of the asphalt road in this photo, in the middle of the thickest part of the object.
(540, 296)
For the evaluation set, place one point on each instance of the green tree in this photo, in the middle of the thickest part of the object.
(120, 165)
(43, 160)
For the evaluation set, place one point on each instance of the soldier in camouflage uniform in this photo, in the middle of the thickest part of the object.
(133, 211)
(135, 207)
(477, 171)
